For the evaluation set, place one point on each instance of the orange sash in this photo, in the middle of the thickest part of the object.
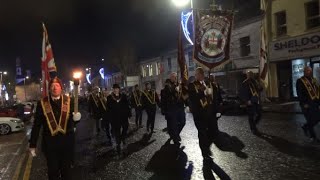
(152, 97)
(51, 120)
(312, 88)
(136, 99)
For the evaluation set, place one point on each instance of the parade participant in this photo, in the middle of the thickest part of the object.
(136, 103)
(119, 113)
(96, 107)
(105, 116)
(202, 97)
(173, 106)
(308, 92)
(213, 81)
(150, 100)
(250, 94)
(55, 114)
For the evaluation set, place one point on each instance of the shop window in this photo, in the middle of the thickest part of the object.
(312, 14)
(281, 23)
(150, 70)
(297, 72)
(245, 46)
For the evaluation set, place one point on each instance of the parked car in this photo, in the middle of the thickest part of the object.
(232, 104)
(8, 112)
(10, 124)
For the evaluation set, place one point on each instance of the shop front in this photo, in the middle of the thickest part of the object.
(288, 57)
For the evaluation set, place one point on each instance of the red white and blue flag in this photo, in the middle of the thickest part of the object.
(48, 66)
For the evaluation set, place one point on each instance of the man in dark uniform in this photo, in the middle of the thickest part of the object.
(55, 114)
(95, 107)
(308, 92)
(150, 100)
(203, 98)
(105, 116)
(119, 111)
(172, 103)
(250, 94)
(136, 103)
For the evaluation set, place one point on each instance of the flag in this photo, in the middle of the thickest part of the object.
(264, 47)
(48, 67)
(212, 37)
(181, 58)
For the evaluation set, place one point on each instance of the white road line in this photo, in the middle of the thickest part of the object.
(4, 171)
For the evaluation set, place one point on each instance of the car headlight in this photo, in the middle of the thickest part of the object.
(15, 121)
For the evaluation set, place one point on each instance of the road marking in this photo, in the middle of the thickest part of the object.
(11, 160)
(27, 171)
(18, 169)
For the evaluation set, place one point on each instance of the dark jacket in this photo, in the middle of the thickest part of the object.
(41, 121)
(303, 94)
(250, 91)
(136, 99)
(95, 107)
(199, 102)
(150, 99)
(171, 99)
(118, 108)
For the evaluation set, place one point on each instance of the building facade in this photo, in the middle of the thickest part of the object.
(294, 44)
(245, 48)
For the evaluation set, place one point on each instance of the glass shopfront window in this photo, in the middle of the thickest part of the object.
(297, 72)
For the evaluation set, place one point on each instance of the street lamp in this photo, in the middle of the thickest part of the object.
(24, 85)
(181, 3)
(76, 81)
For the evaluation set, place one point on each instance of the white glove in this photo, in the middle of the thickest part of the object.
(187, 109)
(208, 91)
(76, 116)
(177, 88)
(33, 152)
(218, 115)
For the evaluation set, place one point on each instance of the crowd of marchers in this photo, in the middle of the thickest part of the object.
(112, 112)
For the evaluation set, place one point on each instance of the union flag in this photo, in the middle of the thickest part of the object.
(48, 66)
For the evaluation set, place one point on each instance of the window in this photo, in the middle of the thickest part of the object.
(144, 72)
(312, 14)
(245, 46)
(150, 70)
(158, 68)
(281, 23)
(169, 64)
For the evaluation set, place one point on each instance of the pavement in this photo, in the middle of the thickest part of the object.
(282, 152)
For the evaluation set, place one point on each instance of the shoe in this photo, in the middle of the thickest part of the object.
(305, 131)
(256, 132)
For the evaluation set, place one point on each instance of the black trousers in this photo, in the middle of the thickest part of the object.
(254, 115)
(138, 111)
(151, 112)
(120, 129)
(106, 126)
(207, 130)
(312, 115)
(59, 152)
(176, 120)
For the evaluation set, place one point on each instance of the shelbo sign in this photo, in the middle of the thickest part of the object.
(295, 47)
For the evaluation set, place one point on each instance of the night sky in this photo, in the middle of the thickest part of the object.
(82, 32)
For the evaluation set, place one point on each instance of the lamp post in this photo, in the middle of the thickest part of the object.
(76, 81)
(24, 85)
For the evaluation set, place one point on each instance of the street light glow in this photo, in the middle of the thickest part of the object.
(77, 75)
(27, 77)
(5, 73)
(180, 3)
